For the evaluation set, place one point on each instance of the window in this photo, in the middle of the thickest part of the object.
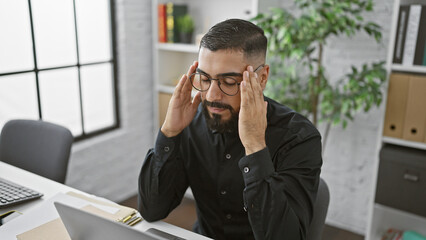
(57, 63)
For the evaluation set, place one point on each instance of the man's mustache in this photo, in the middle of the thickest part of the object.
(217, 105)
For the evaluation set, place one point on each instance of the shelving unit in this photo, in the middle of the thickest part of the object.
(386, 217)
(412, 69)
(405, 143)
(381, 217)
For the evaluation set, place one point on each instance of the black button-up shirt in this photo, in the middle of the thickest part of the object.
(265, 195)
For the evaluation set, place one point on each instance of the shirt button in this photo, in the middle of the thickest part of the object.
(228, 156)
(228, 216)
(223, 192)
(166, 149)
(246, 169)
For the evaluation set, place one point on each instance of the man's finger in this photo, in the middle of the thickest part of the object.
(257, 89)
(243, 89)
(191, 70)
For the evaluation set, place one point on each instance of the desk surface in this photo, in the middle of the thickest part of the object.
(50, 188)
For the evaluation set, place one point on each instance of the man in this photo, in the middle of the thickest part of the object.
(252, 164)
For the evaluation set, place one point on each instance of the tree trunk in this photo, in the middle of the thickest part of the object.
(316, 86)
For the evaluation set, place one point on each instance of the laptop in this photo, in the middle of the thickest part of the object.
(82, 225)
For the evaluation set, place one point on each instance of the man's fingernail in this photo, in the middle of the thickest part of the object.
(250, 68)
(255, 75)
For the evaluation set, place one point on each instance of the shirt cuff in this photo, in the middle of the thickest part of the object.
(256, 166)
(166, 147)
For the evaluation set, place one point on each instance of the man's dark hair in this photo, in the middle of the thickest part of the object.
(236, 35)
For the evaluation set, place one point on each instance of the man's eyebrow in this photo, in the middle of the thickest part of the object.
(228, 74)
(198, 70)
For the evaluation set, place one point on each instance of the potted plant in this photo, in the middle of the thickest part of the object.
(186, 27)
(298, 76)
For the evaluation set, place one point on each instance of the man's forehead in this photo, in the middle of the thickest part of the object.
(235, 52)
(221, 60)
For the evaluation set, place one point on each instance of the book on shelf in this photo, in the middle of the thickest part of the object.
(396, 105)
(420, 53)
(401, 30)
(411, 35)
(415, 115)
(162, 26)
(173, 12)
(410, 38)
(392, 234)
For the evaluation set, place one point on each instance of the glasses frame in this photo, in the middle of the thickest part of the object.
(218, 81)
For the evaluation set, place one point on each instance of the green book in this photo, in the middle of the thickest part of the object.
(174, 11)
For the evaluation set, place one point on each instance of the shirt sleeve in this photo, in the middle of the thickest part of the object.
(162, 180)
(280, 192)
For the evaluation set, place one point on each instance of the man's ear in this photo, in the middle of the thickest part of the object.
(264, 76)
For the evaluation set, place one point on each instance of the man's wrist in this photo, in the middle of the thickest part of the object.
(255, 148)
(169, 133)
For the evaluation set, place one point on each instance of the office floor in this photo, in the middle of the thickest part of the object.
(184, 216)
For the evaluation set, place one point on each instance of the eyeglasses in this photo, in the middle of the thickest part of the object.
(229, 85)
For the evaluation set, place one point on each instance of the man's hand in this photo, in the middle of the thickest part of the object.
(252, 118)
(181, 109)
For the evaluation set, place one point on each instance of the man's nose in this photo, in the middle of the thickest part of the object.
(214, 93)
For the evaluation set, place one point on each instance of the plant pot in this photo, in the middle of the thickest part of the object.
(185, 37)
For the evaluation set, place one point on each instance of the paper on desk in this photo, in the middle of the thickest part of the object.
(43, 213)
(120, 212)
(52, 230)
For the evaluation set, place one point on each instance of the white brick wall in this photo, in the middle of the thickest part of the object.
(109, 165)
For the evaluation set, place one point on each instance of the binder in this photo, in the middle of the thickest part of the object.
(415, 117)
(411, 36)
(398, 51)
(396, 105)
(420, 54)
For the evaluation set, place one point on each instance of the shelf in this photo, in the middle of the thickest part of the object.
(406, 143)
(386, 217)
(165, 88)
(178, 47)
(402, 68)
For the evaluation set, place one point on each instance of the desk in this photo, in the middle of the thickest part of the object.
(50, 188)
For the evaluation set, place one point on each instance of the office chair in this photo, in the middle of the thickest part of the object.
(320, 212)
(37, 146)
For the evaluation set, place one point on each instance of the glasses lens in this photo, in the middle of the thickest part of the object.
(229, 85)
(200, 81)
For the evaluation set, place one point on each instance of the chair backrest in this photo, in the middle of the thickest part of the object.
(37, 146)
(320, 212)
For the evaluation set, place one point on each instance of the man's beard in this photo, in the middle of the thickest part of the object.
(215, 122)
